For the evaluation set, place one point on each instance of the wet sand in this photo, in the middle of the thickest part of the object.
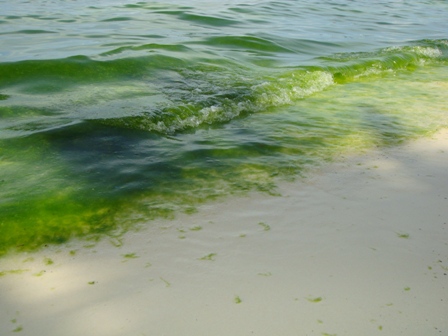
(359, 248)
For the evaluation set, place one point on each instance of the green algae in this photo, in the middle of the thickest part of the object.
(237, 299)
(40, 273)
(18, 329)
(129, 256)
(210, 256)
(48, 261)
(265, 226)
(115, 241)
(314, 299)
(16, 271)
(166, 282)
(94, 178)
(43, 213)
(190, 210)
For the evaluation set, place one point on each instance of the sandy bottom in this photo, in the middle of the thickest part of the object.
(361, 248)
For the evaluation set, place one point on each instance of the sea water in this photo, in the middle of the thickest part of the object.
(118, 112)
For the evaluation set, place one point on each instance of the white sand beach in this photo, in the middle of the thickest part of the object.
(359, 248)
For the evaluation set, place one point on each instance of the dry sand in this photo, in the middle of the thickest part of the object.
(361, 248)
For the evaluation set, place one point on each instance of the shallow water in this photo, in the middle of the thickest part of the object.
(117, 113)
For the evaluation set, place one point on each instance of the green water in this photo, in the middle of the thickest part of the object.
(113, 116)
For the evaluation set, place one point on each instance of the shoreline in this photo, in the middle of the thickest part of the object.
(359, 248)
